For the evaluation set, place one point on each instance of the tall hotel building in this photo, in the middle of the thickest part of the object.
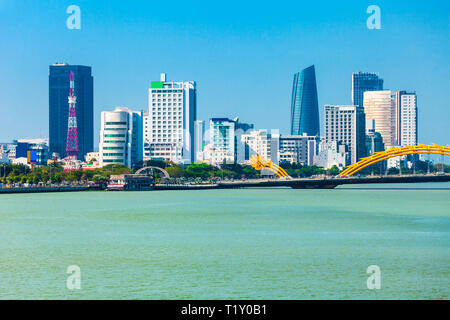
(362, 82)
(59, 84)
(381, 107)
(347, 125)
(121, 138)
(304, 104)
(169, 125)
(406, 118)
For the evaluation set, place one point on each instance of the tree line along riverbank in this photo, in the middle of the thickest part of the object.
(21, 175)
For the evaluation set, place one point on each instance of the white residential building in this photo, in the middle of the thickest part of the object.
(261, 142)
(169, 133)
(332, 154)
(121, 137)
(406, 119)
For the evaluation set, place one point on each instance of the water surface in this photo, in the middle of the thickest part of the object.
(275, 243)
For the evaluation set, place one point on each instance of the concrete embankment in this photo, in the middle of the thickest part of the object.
(185, 186)
(45, 189)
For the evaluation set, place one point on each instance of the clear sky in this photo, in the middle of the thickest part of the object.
(243, 55)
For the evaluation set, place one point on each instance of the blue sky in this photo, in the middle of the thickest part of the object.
(242, 54)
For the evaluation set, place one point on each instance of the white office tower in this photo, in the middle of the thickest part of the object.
(381, 107)
(121, 137)
(406, 118)
(346, 125)
(262, 143)
(172, 113)
(298, 149)
(199, 131)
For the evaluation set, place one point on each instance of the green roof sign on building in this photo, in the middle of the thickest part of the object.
(156, 84)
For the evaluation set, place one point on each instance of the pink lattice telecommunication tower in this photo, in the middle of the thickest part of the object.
(72, 133)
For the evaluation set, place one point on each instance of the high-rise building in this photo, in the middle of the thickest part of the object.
(406, 118)
(221, 139)
(304, 104)
(302, 148)
(59, 85)
(171, 116)
(346, 125)
(381, 107)
(362, 82)
(121, 137)
(225, 140)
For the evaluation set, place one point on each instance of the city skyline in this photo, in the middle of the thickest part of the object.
(270, 87)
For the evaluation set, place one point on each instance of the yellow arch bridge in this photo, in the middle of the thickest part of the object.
(395, 152)
(259, 163)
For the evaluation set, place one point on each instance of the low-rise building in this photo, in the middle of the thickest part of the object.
(303, 148)
(39, 146)
(262, 143)
(130, 182)
(332, 154)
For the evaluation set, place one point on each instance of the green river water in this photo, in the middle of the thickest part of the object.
(274, 243)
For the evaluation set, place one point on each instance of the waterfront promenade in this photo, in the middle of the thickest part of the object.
(47, 189)
(295, 183)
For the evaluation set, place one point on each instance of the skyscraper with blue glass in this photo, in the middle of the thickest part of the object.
(304, 105)
(362, 82)
(59, 84)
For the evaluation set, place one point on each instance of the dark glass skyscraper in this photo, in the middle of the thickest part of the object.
(304, 105)
(362, 82)
(59, 84)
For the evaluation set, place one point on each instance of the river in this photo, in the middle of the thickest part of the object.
(274, 243)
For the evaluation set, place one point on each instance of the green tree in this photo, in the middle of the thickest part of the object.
(175, 171)
(334, 171)
(99, 178)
